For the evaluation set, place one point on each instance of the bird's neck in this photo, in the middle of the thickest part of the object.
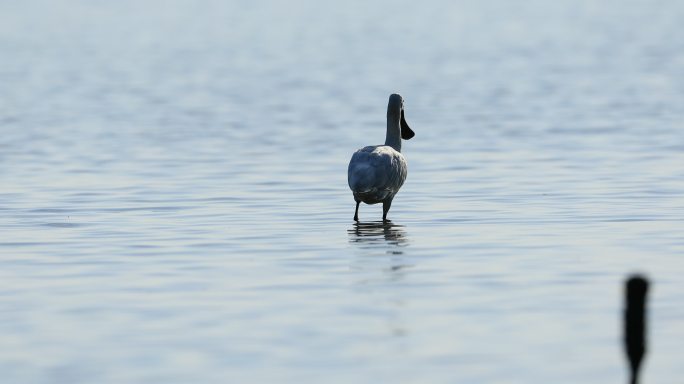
(393, 138)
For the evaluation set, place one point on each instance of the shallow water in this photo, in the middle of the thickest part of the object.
(174, 205)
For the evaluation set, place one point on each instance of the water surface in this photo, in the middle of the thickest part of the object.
(174, 207)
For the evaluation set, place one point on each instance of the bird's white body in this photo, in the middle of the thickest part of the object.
(376, 172)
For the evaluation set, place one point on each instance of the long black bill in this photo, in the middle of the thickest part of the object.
(406, 132)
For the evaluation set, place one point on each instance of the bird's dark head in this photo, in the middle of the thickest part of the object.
(395, 110)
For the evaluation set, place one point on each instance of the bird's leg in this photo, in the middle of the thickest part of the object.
(385, 208)
(356, 213)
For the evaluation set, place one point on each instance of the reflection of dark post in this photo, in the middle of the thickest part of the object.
(635, 324)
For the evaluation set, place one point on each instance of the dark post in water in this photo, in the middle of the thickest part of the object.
(635, 323)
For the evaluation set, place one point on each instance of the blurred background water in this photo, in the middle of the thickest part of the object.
(174, 207)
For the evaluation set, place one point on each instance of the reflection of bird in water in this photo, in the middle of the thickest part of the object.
(378, 232)
(380, 264)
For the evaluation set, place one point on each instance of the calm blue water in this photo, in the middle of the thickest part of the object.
(174, 207)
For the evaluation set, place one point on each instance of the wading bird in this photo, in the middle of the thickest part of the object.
(377, 172)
